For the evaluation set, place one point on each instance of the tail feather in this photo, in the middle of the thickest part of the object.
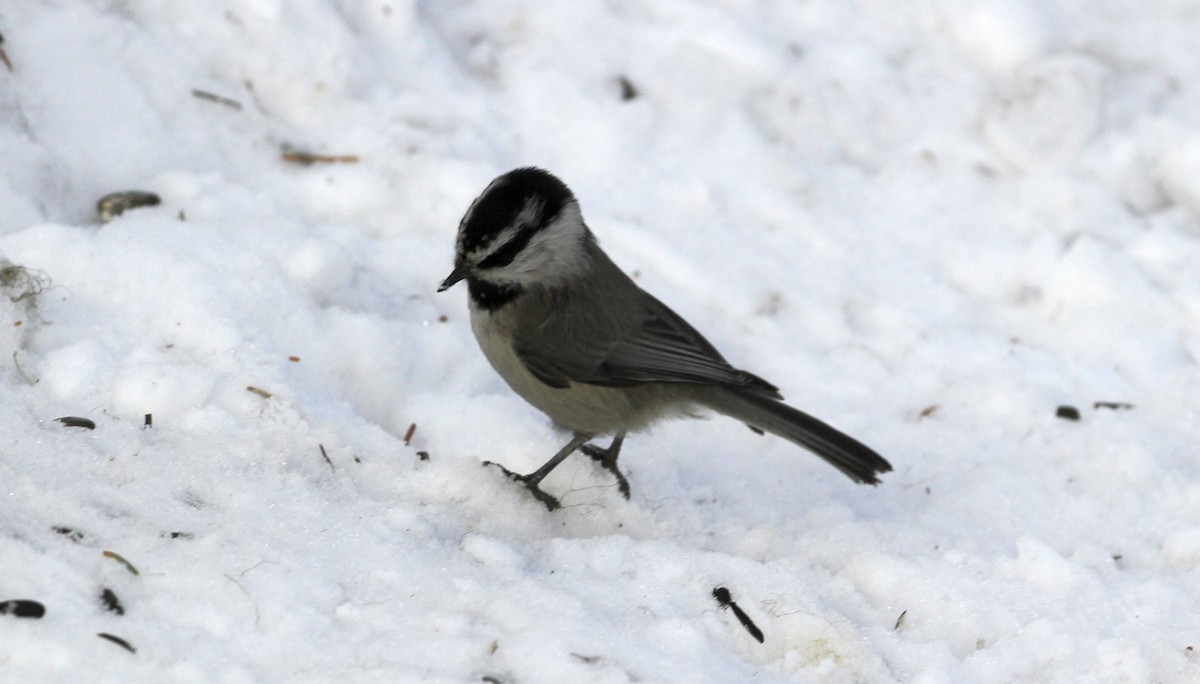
(858, 461)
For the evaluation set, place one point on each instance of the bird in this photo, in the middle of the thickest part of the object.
(577, 338)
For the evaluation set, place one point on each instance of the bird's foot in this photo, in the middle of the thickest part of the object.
(608, 460)
(525, 481)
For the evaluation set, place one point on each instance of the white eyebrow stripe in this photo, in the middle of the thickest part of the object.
(528, 217)
(530, 213)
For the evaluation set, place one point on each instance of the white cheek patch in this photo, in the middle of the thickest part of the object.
(557, 252)
(553, 254)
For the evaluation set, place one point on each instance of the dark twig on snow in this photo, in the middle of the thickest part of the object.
(725, 600)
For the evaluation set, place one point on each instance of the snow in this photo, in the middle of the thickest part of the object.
(931, 223)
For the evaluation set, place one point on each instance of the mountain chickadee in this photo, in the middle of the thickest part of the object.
(578, 339)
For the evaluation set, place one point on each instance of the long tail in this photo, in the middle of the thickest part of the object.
(843, 452)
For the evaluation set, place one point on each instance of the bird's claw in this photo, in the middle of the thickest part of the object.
(548, 501)
(606, 460)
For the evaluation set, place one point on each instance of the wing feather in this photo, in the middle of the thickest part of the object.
(654, 345)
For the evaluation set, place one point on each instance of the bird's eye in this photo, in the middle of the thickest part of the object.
(505, 254)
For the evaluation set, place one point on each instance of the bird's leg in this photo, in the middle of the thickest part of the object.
(532, 480)
(608, 460)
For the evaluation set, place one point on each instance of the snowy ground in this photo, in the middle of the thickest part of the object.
(931, 223)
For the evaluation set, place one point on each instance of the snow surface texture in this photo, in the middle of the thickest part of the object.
(931, 223)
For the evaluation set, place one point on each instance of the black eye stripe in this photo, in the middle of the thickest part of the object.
(491, 215)
(504, 200)
(505, 255)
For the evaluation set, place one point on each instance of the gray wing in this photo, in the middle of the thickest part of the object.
(644, 341)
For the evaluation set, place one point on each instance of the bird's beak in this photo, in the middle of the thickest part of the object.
(456, 275)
